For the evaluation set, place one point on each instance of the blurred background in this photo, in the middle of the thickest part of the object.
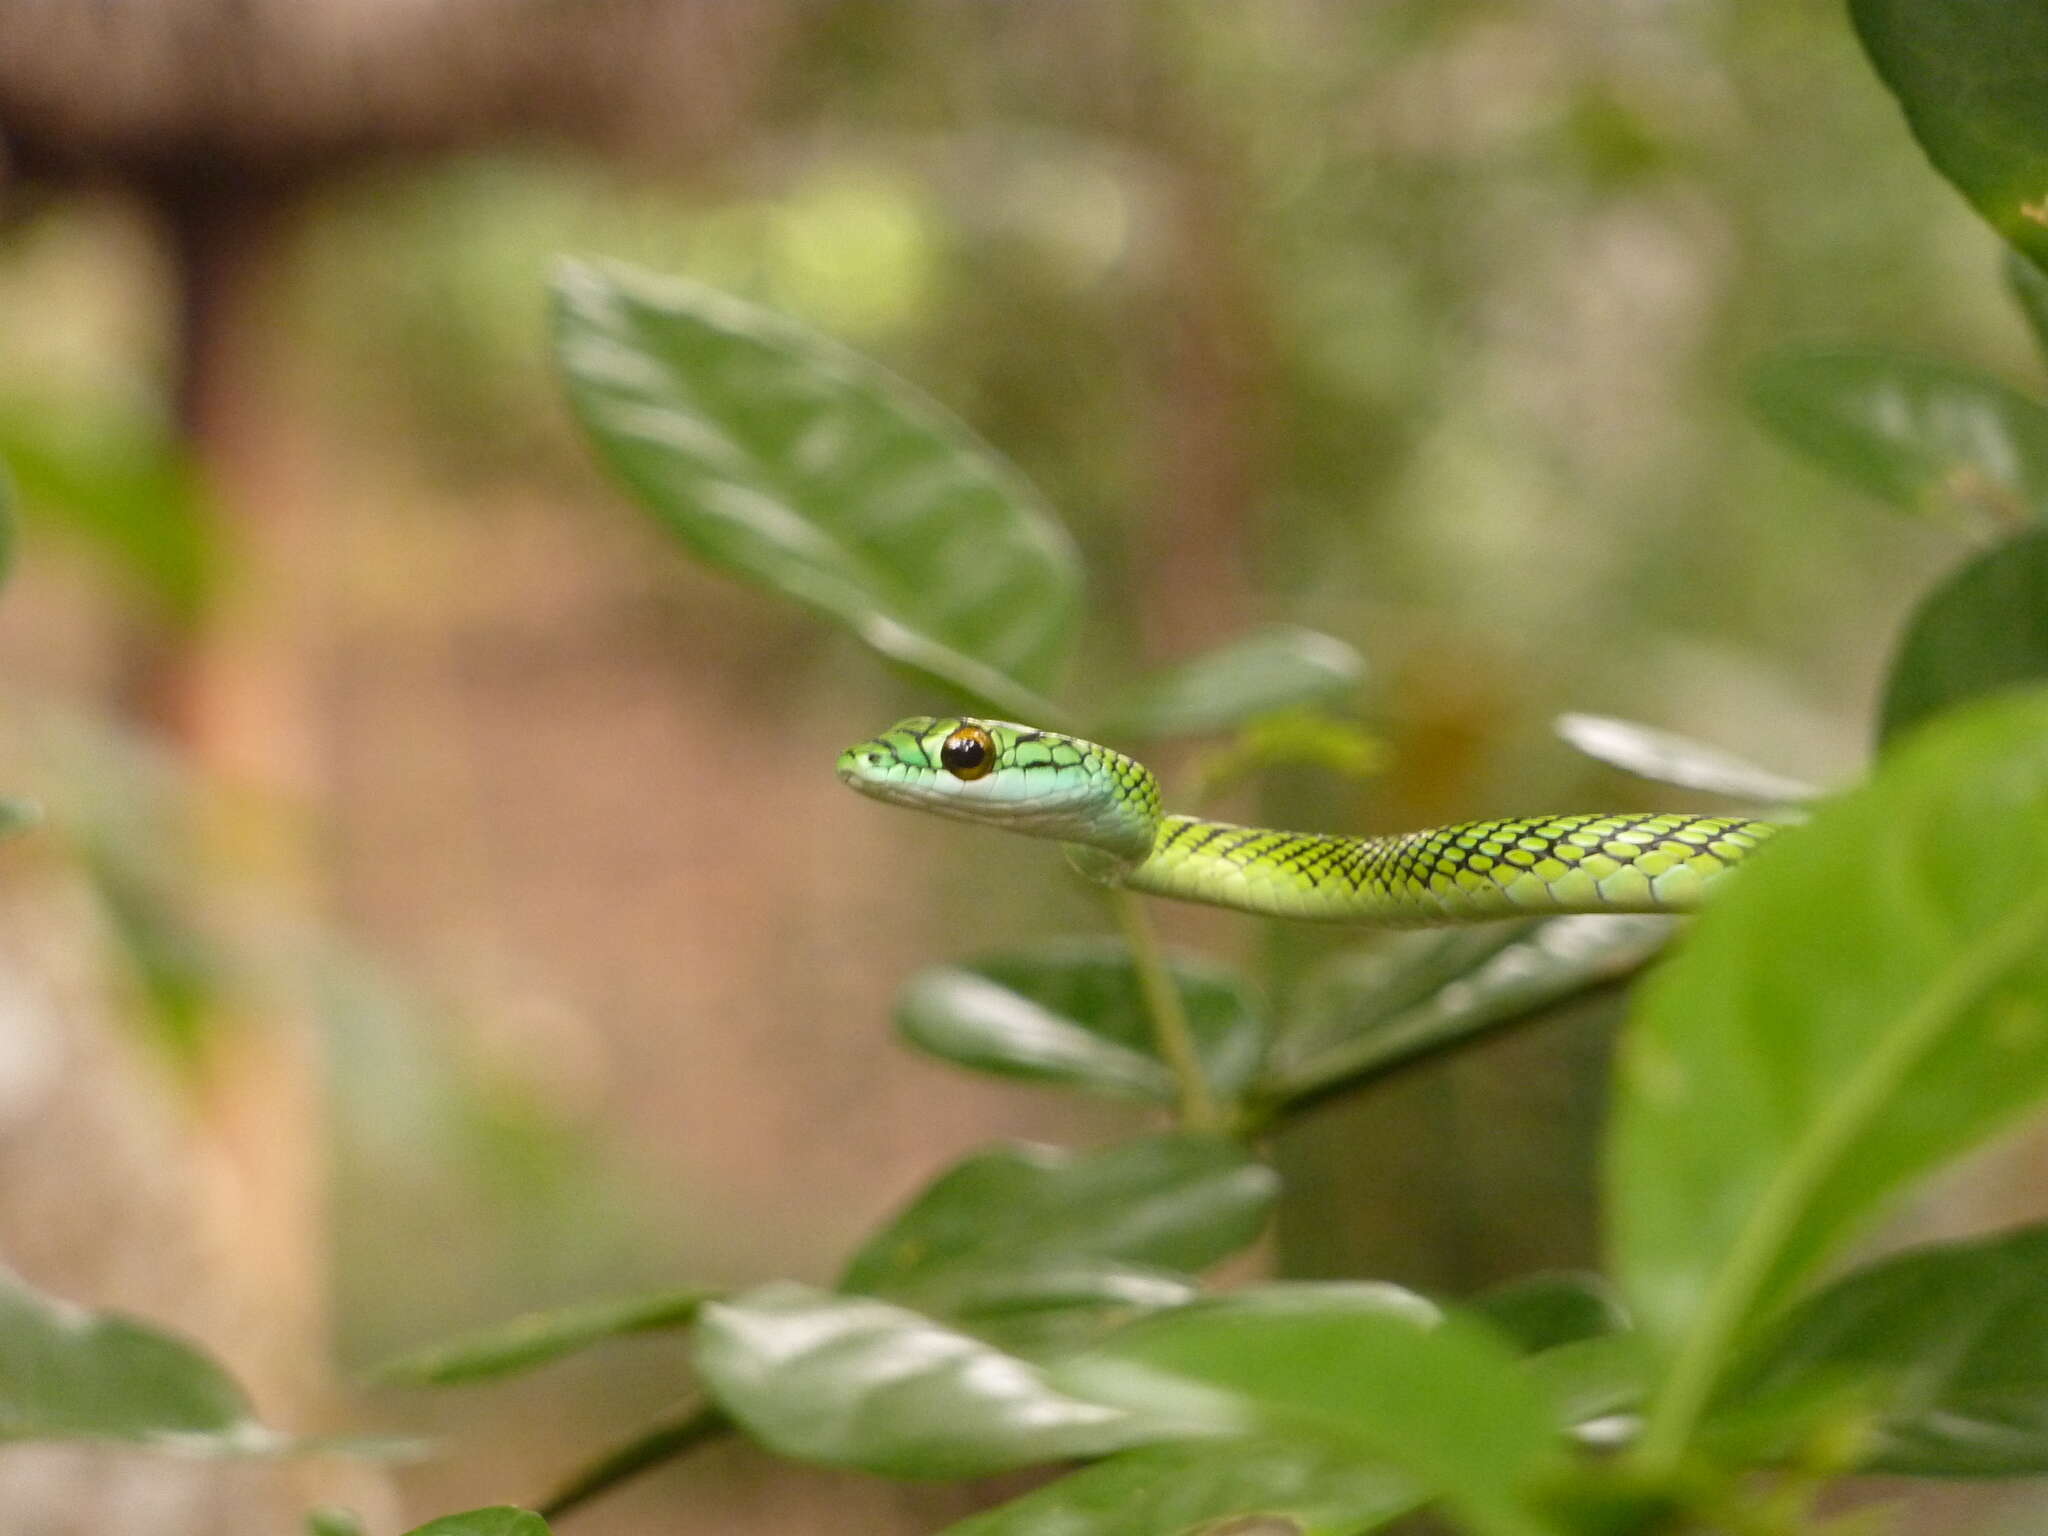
(447, 907)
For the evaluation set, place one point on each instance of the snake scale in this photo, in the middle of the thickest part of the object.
(1105, 807)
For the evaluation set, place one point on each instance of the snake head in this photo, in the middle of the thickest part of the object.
(1000, 774)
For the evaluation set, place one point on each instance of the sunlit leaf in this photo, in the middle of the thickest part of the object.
(1444, 1403)
(498, 1520)
(1914, 432)
(1940, 1353)
(1074, 1013)
(1368, 1011)
(1668, 758)
(1968, 74)
(851, 1381)
(1295, 738)
(1869, 1000)
(1179, 1202)
(1174, 1488)
(1982, 630)
(787, 460)
(1276, 668)
(541, 1337)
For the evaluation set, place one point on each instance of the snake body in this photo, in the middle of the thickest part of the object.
(1106, 808)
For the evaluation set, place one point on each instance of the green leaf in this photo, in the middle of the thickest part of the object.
(121, 482)
(1665, 757)
(784, 459)
(1868, 1001)
(854, 1382)
(1073, 1013)
(1277, 668)
(67, 1373)
(2029, 285)
(1942, 1352)
(1983, 630)
(1180, 1202)
(332, 1520)
(1171, 1488)
(1540, 1312)
(17, 816)
(1369, 1011)
(1445, 1405)
(541, 1337)
(498, 1520)
(6, 524)
(1908, 430)
(1968, 74)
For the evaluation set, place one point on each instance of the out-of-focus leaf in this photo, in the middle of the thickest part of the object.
(854, 1382)
(1909, 430)
(68, 1373)
(1178, 1202)
(1175, 1488)
(1983, 630)
(1276, 668)
(2029, 286)
(782, 458)
(1867, 1002)
(6, 523)
(1666, 758)
(1295, 738)
(1074, 1013)
(1968, 73)
(1368, 1011)
(1445, 1405)
(331, 1520)
(498, 1520)
(120, 482)
(1942, 1352)
(1540, 1312)
(1043, 1310)
(18, 816)
(541, 1337)
(1593, 1382)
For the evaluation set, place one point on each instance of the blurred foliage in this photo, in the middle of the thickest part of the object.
(1483, 284)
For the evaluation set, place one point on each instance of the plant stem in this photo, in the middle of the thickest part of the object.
(1170, 1032)
(690, 1424)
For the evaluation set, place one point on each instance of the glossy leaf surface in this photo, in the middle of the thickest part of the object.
(1178, 1202)
(1982, 630)
(1867, 1001)
(851, 1381)
(1445, 1404)
(1968, 74)
(1911, 431)
(1665, 757)
(1174, 1488)
(782, 458)
(1368, 1011)
(1073, 1013)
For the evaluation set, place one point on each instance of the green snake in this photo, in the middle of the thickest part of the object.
(1105, 807)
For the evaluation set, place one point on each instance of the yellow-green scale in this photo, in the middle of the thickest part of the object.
(1481, 869)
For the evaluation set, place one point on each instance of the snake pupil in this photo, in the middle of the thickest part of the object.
(967, 753)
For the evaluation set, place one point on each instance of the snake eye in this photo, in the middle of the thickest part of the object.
(968, 753)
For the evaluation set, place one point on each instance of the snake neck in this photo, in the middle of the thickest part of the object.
(1469, 872)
